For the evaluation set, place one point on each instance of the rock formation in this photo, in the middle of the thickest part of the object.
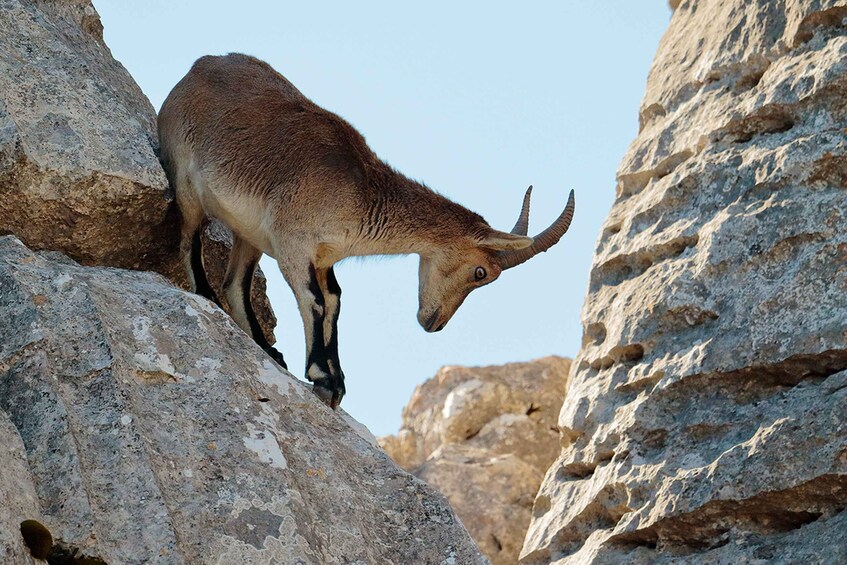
(705, 416)
(138, 424)
(484, 437)
(78, 165)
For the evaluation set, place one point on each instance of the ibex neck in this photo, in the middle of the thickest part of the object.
(407, 217)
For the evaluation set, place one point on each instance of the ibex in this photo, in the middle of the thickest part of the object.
(241, 144)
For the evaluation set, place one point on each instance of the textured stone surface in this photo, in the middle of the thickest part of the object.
(18, 500)
(705, 417)
(139, 425)
(78, 165)
(77, 141)
(484, 436)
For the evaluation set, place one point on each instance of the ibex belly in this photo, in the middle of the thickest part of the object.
(242, 213)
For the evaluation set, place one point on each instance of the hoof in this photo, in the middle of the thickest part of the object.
(331, 396)
(329, 388)
(276, 356)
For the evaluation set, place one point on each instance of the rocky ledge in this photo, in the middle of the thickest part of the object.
(138, 424)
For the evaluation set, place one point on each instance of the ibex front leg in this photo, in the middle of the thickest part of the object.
(332, 299)
(319, 299)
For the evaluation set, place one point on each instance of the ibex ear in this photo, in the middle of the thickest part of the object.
(502, 241)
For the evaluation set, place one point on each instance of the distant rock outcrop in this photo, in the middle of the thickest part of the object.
(484, 437)
(706, 418)
(138, 424)
(78, 165)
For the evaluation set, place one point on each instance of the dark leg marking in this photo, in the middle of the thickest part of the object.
(255, 328)
(332, 282)
(201, 283)
(334, 289)
(318, 353)
(331, 390)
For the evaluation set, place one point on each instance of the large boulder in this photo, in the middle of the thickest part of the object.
(77, 142)
(705, 417)
(484, 436)
(79, 171)
(138, 424)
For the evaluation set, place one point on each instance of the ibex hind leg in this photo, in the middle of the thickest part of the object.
(238, 281)
(191, 244)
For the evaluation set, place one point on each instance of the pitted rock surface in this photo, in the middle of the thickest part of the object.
(705, 415)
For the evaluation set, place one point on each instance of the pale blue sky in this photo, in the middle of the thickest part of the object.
(478, 101)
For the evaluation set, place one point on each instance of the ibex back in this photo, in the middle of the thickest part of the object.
(241, 144)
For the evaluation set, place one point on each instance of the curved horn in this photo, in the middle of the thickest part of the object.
(543, 241)
(523, 220)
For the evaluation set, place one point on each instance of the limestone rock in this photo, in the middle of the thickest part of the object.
(484, 437)
(78, 165)
(705, 420)
(138, 424)
(77, 141)
(17, 496)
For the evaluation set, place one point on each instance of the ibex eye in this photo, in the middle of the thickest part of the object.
(479, 273)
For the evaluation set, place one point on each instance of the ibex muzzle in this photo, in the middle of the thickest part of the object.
(240, 143)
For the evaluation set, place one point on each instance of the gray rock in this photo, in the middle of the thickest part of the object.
(140, 425)
(78, 166)
(18, 501)
(705, 416)
(77, 141)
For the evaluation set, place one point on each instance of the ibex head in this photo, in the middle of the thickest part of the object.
(449, 274)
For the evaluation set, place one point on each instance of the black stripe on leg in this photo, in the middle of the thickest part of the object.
(246, 286)
(317, 354)
(324, 354)
(255, 329)
(315, 287)
(334, 288)
(201, 282)
(332, 283)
